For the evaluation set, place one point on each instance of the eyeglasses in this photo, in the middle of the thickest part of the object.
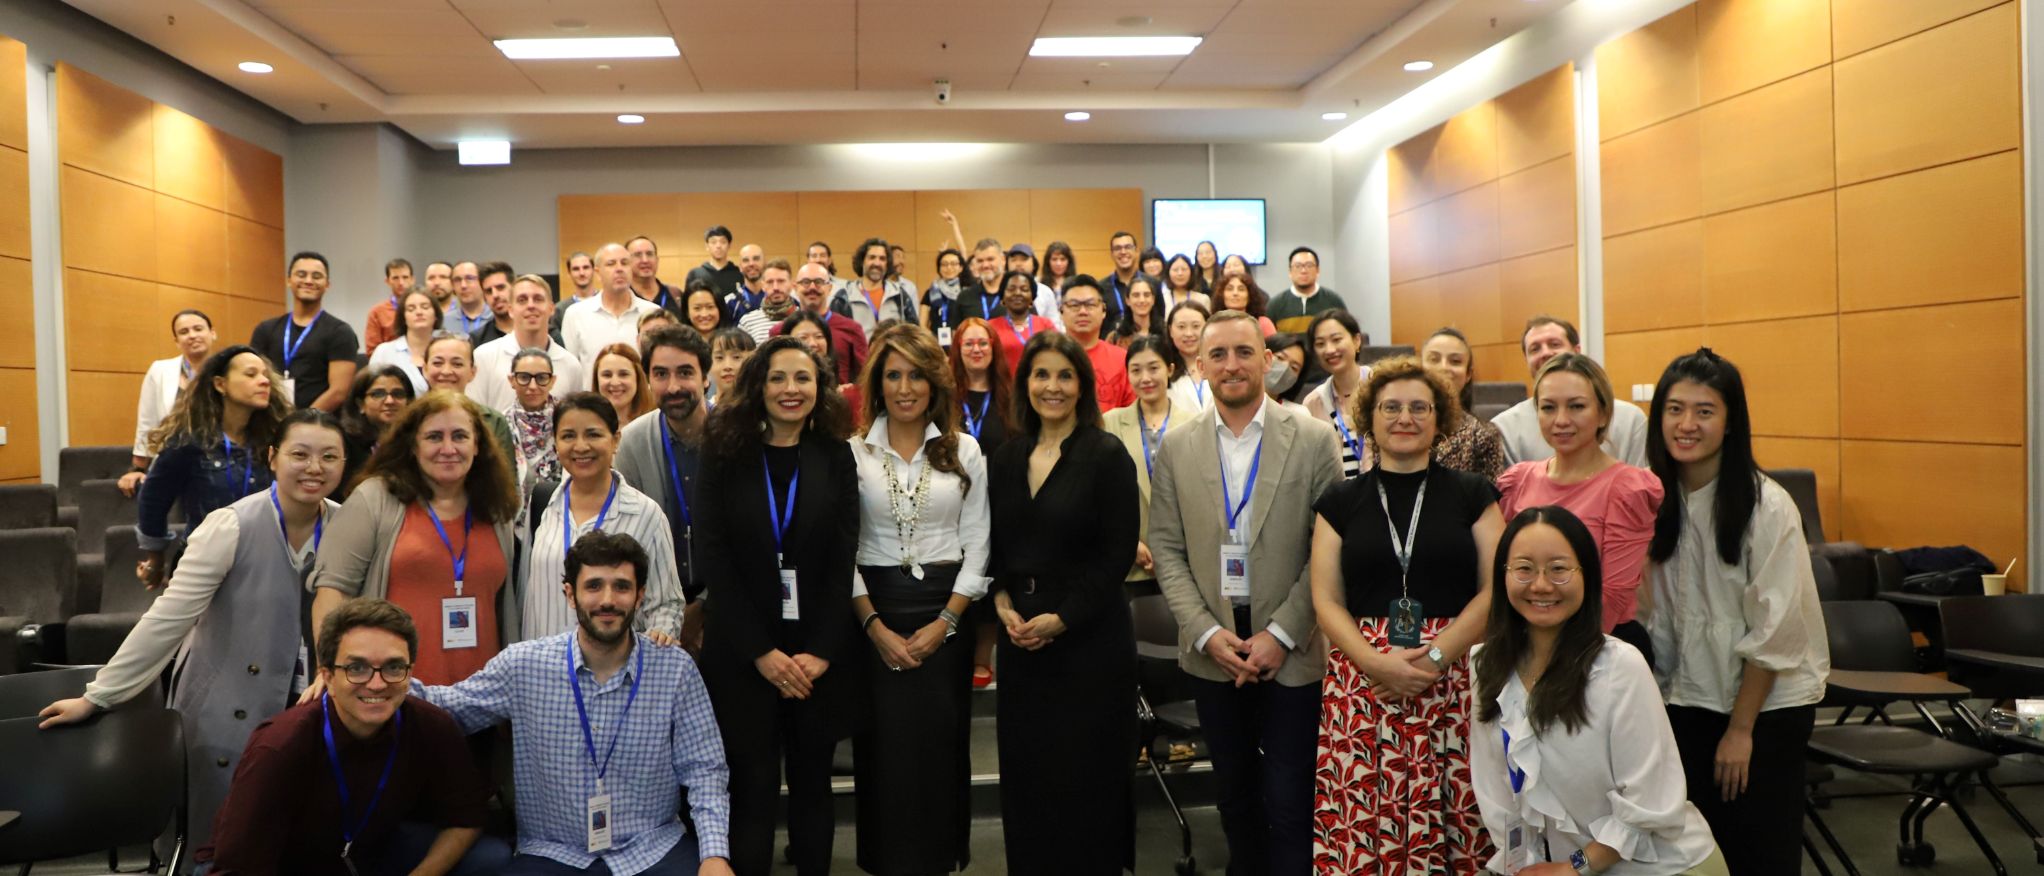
(525, 379)
(394, 672)
(814, 282)
(1093, 304)
(1557, 572)
(382, 394)
(1419, 410)
(1121, 247)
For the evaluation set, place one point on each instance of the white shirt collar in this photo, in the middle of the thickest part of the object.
(1255, 423)
(876, 437)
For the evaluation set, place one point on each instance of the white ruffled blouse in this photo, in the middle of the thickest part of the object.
(1616, 780)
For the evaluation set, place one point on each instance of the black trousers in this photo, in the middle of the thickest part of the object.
(1761, 831)
(1262, 737)
(800, 740)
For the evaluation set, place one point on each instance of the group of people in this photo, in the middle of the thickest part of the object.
(787, 510)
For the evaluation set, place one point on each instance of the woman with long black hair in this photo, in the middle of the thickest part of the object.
(206, 449)
(777, 531)
(1738, 633)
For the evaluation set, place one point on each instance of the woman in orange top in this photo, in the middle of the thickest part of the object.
(429, 528)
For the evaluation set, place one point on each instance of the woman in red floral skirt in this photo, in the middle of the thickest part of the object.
(1401, 561)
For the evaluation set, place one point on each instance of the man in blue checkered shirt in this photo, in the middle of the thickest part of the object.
(608, 729)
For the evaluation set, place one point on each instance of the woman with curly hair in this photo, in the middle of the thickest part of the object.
(206, 449)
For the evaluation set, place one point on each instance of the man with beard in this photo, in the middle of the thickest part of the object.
(662, 455)
(496, 280)
(531, 305)
(581, 284)
(382, 322)
(1122, 248)
(982, 296)
(717, 269)
(776, 301)
(872, 300)
(645, 257)
(1081, 304)
(440, 283)
(316, 355)
(745, 298)
(847, 339)
(598, 713)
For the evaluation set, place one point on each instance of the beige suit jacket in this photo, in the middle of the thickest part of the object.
(1298, 461)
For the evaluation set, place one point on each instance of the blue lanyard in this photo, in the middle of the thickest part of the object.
(974, 422)
(1349, 438)
(184, 368)
(568, 514)
(290, 348)
(1233, 510)
(987, 302)
(247, 471)
(673, 477)
(943, 310)
(1019, 336)
(460, 560)
(1518, 776)
(469, 326)
(333, 759)
(1199, 392)
(589, 739)
(318, 523)
(781, 521)
(1149, 468)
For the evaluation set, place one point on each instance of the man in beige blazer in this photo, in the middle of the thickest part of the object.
(1231, 530)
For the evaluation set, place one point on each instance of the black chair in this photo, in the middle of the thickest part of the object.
(1168, 719)
(1801, 484)
(117, 779)
(1829, 589)
(38, 587)
(100, 505)
(1370, 353)
(1503, 393)
(93, 636)
(24, 694)
(28, 506)
(76, 465)
(1995, 644)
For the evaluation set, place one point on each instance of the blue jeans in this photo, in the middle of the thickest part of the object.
(680, 861)
(409, 845)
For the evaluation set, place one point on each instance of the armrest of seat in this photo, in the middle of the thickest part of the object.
(36, 643)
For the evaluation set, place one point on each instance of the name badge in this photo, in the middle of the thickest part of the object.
(458, 622)
(599, 822)
(943, 336)
(290, 389)
(791, 604)
(1234, 567)
(1518, 846)
(1405, 615)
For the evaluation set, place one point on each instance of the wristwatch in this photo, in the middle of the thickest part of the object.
(1579, 861)
(1434, 654)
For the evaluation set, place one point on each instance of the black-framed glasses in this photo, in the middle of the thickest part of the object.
(394, 672)
(527, 379)
(1557, 572)
(1420, 410)
(381, 394)
(813, 281)
(1087, 304)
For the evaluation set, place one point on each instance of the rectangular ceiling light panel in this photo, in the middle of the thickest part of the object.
(474, 152)
(1113, 47)
(589, 47)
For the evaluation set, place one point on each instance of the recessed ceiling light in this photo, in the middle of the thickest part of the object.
(589, 47)
(1113, 47)
(1418, 66)
(1077, 116)
(255, 67)
(631, 119)
(484, 151)
(1333, 117)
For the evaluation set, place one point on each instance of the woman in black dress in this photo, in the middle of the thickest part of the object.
(777, 527)
(1063, 500)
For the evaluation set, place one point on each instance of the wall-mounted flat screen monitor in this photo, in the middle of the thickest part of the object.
(1235, 225)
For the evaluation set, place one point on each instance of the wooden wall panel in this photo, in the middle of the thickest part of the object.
(255, 262)
(1744, 44)
(1791, 372)
(172, 299)
(1469, 227)
(108, 225)
(104, 128)
(1533, 285)
(1772, 261)
(1924, 373)
(1942, 95)
(102, 424)
(1654, 176)
(1083, 218)
(1950, 233)
(1416, 252)
(1002, 214)
(1537, 208)
(1405, 164)
(14, 236)
(21, 456)
(1416, 310)
(1649, 75)
(1536, 121)
(1653, 279)
(1819, 455)
(1905, 494)
(1499, 362)
(1767, 144)
(13, 94)
(252, 180)
(585, 222)
(191, 244)
(188, 163)
(846, 219)
(1469, 301)
(768, 219)
(17, 318)
(110, 323)
(1859, 25)
(244, 314)
(1467, 153)
(1640, 357)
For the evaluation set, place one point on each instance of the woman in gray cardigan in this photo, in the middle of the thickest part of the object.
(230, 616)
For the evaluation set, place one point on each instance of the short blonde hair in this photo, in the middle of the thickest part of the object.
(1588, 369)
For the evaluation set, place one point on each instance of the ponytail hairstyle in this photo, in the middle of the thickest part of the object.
(1738, 489)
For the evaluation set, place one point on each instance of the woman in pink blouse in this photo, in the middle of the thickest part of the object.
(1615, 500)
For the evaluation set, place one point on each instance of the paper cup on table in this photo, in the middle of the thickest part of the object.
(1994, 585)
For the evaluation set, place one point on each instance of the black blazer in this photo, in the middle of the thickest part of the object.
(1067, 549)
(735, 557)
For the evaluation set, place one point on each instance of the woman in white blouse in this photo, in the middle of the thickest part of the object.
(923, 539)
(407, 352)
(1574, 767)
(593, 497)
(1739, 639)
(193, 332)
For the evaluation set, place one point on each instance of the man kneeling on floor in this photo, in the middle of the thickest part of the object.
(607, 730)
(365, 780)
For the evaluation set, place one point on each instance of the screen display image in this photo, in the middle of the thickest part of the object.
(1235, 225)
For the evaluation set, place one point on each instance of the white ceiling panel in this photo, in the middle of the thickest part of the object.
(421, 18)
(1100, 18)
(535, 19)
(767, 18)
(405, 43)
(634, 76)
(912, 79)
(1083, 82)
(1007, 20)
(736, 69)
(459, 75)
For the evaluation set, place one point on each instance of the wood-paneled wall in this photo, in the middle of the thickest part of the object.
(21, 456)
(161, 212)
(1483, 222)
(1830, 194)
(784, 223)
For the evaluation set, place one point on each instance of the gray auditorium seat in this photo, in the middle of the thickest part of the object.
(76, 465)
(100, 505)
(1801, 484)
(1503, 393)
(1486, 411)
(27, 506)
(1370, 353)
(93, 635)
(38, 583)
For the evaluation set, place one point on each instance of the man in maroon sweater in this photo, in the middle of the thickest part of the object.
(409, 798)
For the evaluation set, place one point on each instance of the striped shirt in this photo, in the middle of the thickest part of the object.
(547, 612)
(667, 741)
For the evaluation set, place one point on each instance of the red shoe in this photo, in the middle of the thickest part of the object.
(982, 676)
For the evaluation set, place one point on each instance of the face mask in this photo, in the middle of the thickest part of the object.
(1280, 376)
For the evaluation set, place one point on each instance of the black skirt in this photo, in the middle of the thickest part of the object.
(912, 759)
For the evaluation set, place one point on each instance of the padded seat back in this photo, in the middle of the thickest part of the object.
(1504, 393)
(76, 465)
(116, 780)
(28, 506)
(119, 591)
(39, 574)
(100, 505)
(1801, 484)
(2009, 624)
(1370, 353)
(1868, 636)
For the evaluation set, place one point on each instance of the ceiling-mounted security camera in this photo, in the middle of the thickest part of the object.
(943, 92)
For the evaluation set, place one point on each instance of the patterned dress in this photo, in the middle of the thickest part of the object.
(1475, 446)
